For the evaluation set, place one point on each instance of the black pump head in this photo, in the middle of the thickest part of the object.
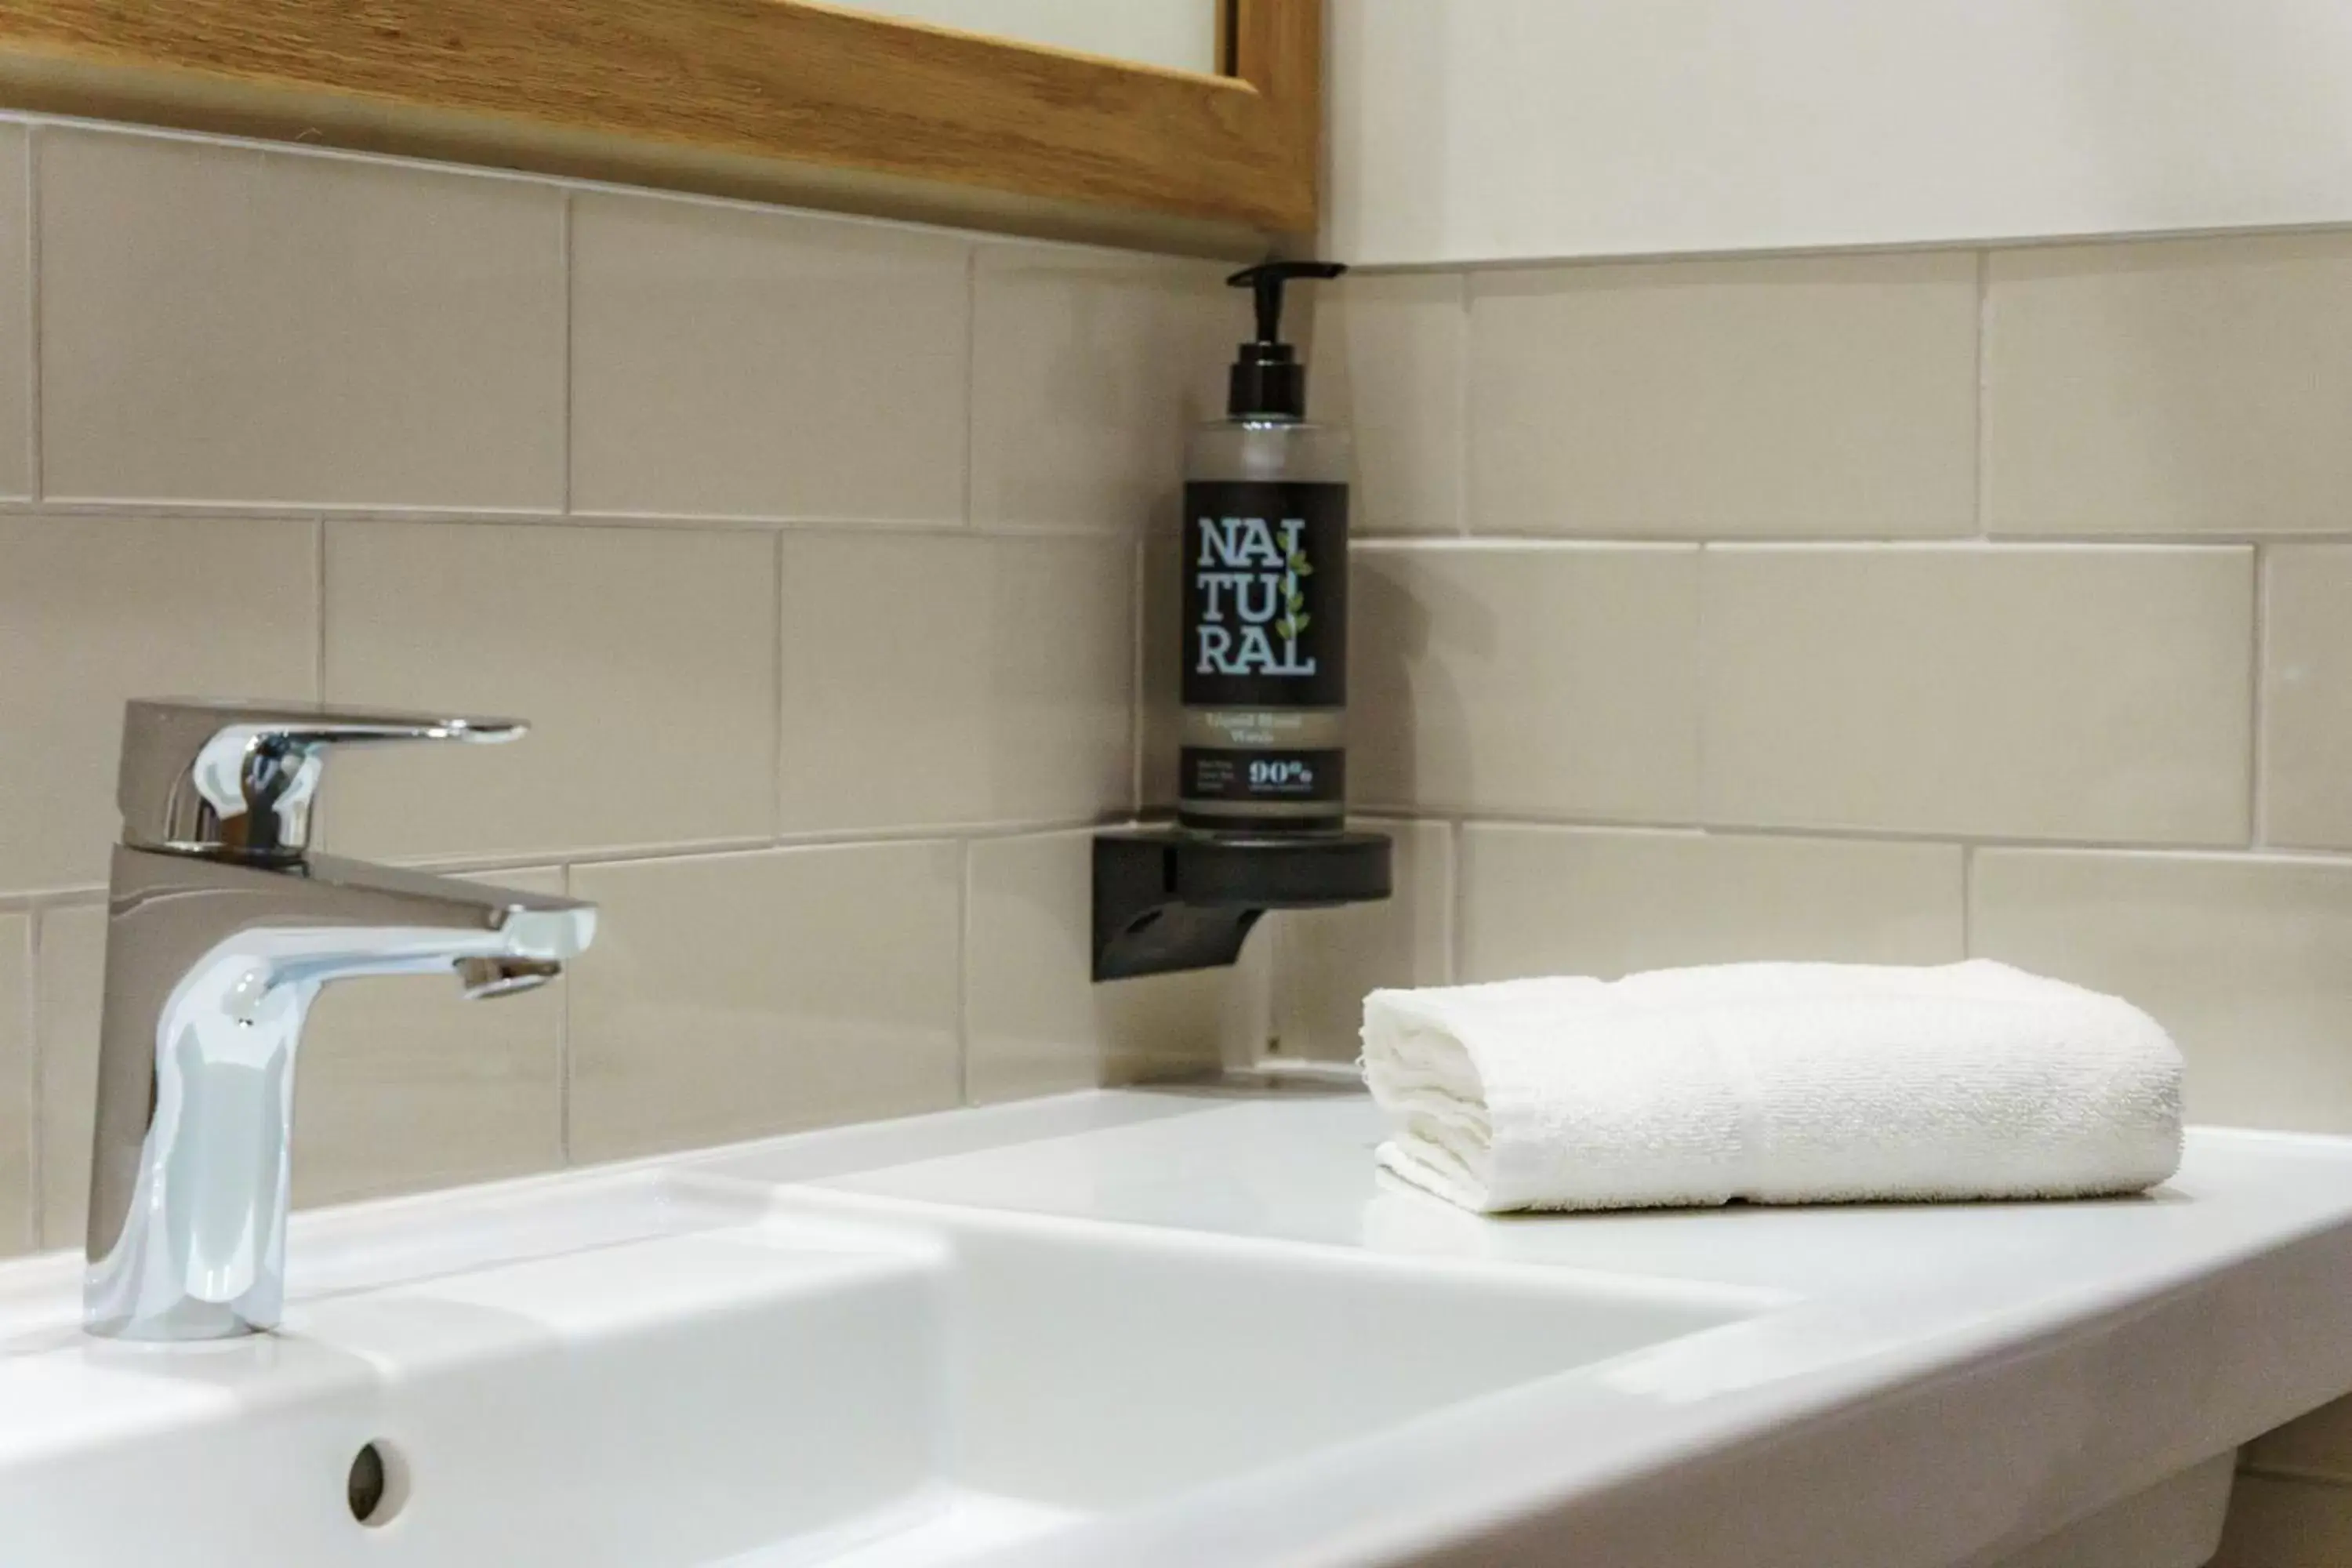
(1267, 379)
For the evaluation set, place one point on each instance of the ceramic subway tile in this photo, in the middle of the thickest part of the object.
(1087, 370)
(404, 1084)
(1539, 679)
(2188, 386)
(644, 659)
(2318, 1445)
(94, 611)
(1208, 323)
(1159, 670)
(17, 1221)
(224, 323)
(2307, 718)
(1035, 1021)
(1061, 693)
(400, 1083)
(1546, 900)
(731, 997)
(931, 680)
(736, 361)
(2095, 693)
(2276, 1523)
(1386, 359)
(1823, 395)
(2240, 956)
(69, 988)
(1329, 960)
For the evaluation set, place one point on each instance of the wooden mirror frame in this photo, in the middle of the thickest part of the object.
(776, 100)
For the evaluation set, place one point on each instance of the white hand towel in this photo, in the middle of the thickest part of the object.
(1781, 1083)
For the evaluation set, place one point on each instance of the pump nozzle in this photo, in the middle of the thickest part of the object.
(1268, 280)
(1267, 379)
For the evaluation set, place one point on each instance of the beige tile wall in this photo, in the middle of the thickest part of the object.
(1033, 1024)
(2306, 688)
(995, 679)
(812, 547)
(1724, 399)
(1894, 607)
(2183, 389)
(1490, 678)
(223, 325)
(18, 1119)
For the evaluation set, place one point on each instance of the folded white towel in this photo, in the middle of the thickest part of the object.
(1781, 1083)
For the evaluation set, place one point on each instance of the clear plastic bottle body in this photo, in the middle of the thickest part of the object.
(1276, 450)
(1264, 627)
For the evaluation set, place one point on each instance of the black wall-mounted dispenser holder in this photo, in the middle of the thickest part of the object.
(1169, 899)
(1261, 769)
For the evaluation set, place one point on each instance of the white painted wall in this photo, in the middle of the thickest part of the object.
(1485, 130)
(1180, 34)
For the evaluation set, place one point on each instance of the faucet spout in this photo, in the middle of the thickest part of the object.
(212, 966)
(487, 979)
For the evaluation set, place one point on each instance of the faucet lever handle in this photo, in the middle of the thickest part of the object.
(234, 781)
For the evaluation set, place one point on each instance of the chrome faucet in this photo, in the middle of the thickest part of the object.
(221, 927)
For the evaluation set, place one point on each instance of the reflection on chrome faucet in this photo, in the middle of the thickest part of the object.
(221, 927)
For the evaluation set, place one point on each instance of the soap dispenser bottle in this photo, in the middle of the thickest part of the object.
(1265, 617)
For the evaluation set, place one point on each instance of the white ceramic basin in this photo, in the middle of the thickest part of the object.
(1167, 1330)
(1091, 1368)
(727, 1382)
(664, 1400)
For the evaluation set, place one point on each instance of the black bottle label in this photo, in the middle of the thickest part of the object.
(1265, 594)
(1266, 647)
(1317, 773)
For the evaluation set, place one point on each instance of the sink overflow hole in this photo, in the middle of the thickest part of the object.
(378, 1484)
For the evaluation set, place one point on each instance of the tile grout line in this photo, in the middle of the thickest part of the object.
(90, 897)
(1968, 900)
(563, 1051)
(2295, 1474)
(2257, 718)
(35, 1166)
(1981, 403)
(971, 382)
(183, 509)
(1497, 540)
(1137, 735)
(777, 787)
(567, 251)
(318, 610)
(1505, 540)
(36, 479)
(1701, 570)
(964, 972)
(2209, 849)
(1457, 914)
(1465, 409)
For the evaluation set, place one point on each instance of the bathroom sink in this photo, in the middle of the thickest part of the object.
(1164, 1329)
(716, 1380)
(1088, 1369)
(666, 1399)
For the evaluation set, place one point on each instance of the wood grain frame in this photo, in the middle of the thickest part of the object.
(779, 100)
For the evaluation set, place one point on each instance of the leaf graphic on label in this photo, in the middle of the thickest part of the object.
(1283, 629)
(1299, 623)
(1294, 601)
(1299, 564)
